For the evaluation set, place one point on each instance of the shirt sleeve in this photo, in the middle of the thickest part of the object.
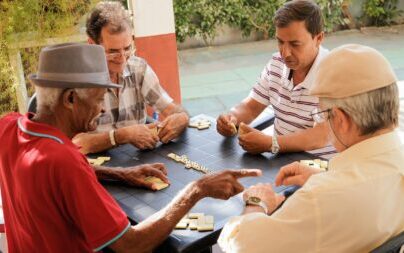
(260, 91)
(90, 207)
(152, 91)
(292, 228)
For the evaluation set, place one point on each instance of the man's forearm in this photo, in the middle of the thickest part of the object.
(151, 232)
(305, 140)
(247, 110)
(241, 113)
(174, 108)
(108, 172)
(93, 142)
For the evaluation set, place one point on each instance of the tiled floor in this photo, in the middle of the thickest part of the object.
(213, 79)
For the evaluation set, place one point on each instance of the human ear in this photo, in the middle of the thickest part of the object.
(319, 39)
(342, 121)
(90, 41)
(68, 98)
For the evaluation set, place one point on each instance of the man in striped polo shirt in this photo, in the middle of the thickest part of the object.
(284, 84)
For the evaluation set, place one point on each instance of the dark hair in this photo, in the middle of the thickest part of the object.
(300, 10)
(106, 13)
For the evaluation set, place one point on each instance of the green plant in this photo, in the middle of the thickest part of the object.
(256, 15)
(198, 18)
(381, 12)
(203, 17)
(332, 14)
(25, 21)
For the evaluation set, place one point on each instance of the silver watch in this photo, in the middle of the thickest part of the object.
(275, 144)
(255, 201)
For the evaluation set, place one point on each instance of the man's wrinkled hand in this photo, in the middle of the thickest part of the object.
(224, 184)
(136, 176)
(172, 126)
(266, 194)
(140, 136)
(295, 174)
(254, 141)
(226, 125)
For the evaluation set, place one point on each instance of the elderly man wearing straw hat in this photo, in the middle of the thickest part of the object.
(358, 203)
(52, 199)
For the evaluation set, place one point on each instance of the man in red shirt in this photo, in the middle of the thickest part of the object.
(52, 199)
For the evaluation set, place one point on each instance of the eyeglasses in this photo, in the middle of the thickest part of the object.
(320, 116)
(116, 56)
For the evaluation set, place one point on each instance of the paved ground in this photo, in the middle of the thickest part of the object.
(213, 79)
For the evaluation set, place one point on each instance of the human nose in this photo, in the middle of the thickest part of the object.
(285, 51)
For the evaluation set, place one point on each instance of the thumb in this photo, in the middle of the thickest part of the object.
(244, 128)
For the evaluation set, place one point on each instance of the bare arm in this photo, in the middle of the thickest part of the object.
(173, 109)
(308, 139)
(137, 135)
(135, 176)
(150, 233)
(247, 110)
(244, 112)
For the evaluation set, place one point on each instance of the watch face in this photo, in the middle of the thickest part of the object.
(254, 199)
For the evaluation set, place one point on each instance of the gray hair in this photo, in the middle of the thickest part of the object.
(108, 13)
(370, 111)
(48, 97)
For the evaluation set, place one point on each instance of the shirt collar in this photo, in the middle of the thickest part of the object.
(367, 149)
(32, 128)
(309, 79)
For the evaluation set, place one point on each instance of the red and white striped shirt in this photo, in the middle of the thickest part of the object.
(292, 104)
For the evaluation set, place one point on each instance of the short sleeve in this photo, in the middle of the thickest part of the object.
(280, 232)
(152, 91)
(90, 207)
(260, 91)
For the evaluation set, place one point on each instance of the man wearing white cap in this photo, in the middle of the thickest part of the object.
(358, 203)
(51, 197)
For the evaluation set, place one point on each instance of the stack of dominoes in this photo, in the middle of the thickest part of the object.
(188, 163)
(200, 124)
(99, 160)
(197, 221)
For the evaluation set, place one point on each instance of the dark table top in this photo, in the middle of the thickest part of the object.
(208, 148)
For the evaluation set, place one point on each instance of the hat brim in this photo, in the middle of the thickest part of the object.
(69, 84)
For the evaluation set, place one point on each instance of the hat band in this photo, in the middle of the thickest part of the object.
(97, 77)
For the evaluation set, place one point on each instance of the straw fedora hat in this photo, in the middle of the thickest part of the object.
(73, 65)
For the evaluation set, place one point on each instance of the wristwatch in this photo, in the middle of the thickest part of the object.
(255, 201)
(275, 145)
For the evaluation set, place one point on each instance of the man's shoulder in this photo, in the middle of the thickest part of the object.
(62, 156)
(13, 116)
(7, 121)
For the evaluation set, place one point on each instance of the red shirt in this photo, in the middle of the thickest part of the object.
(51, 197)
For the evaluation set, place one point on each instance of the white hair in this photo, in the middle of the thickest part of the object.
(370, 111)
(47, 97)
